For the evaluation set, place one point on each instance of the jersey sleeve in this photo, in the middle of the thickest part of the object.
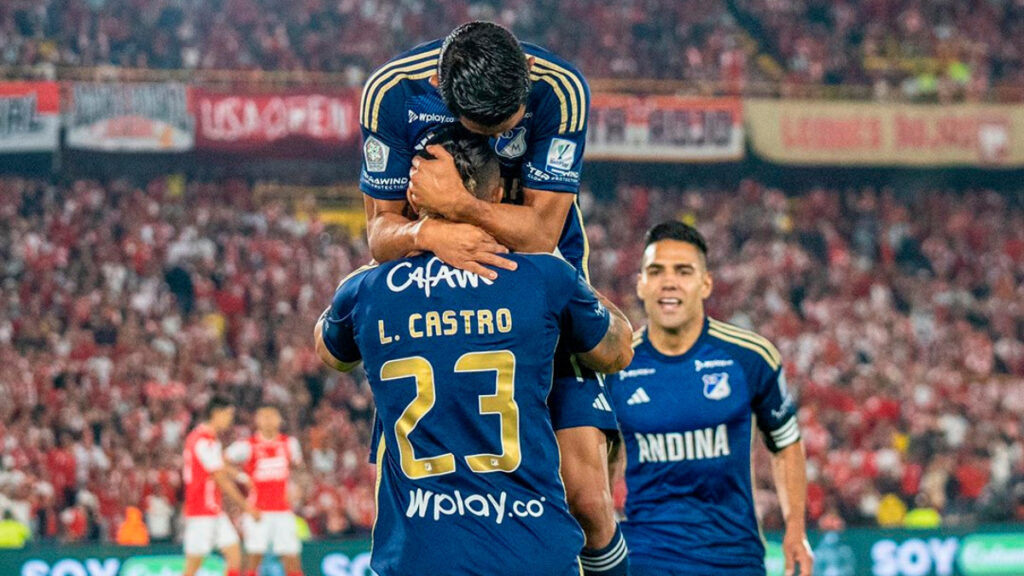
(294, 451)
(554, 152)
(339, 325)
(775, 408)
(238, 452)
(387, 153)
(583, 319)
(208, 453)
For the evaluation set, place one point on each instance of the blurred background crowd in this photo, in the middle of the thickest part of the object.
(126, 304)
(908, 48)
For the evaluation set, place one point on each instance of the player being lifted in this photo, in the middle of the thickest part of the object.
(460, 367)
(267, 458)
(686, 406)
(534, 107)
(206, 477)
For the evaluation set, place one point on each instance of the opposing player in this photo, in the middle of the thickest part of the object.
(460, 367)
(686, 406)
(534, 107)
(206, 477)
(267, 458)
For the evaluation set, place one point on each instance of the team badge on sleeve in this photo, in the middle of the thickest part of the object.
(561, 154)
(716, 386)
(376, 154)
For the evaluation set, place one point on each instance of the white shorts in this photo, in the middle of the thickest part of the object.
(274, 532)
(203, 534)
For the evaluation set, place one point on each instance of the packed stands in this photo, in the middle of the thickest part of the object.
(900, 48)
(125, 305)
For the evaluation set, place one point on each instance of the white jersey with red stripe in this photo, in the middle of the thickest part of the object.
(202, 459)
(268, 464)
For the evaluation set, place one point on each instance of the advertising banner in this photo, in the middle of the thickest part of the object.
(839, 133)
(664, 129)
(985, 551)
(120, 117)
(29, 116)
(286, 124)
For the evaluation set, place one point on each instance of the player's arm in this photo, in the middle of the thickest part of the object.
(334, 333)
(615, 350)
(789, 469)
(533, 227)
(393, 233)
(776, 412)
(325, 354)
(599, 333)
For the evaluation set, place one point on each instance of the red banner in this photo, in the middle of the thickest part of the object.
(279, 124)
(29, 116)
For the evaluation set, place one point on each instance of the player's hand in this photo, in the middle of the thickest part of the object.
(797, 550)
(464, 246)
(435, 185)
(252, 511)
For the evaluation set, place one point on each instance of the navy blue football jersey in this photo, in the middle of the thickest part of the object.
(460, 368)
(544, 151)
(687, 425)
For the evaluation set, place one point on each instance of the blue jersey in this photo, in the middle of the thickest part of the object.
(461, 367)
(400, 108)
(687, 425)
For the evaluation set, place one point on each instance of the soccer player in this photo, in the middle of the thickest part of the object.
(687, 405)
(267, 458)
(534, 107)
(206, 478)
(461, 367)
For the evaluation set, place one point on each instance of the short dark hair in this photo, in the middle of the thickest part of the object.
(474, 159)
(217, 403)
(483, 73)
(676, 230)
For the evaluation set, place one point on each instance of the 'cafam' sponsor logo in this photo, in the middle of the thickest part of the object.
(434, 505)
(431, 276)
(708, 364)
(435, 118)
(679, 446)
(636, 372)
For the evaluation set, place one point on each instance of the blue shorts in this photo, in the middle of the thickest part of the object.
(578, 397)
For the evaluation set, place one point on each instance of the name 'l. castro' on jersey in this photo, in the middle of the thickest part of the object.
(687, 423)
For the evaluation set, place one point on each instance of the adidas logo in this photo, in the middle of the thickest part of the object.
(601, 403)
(638, 397)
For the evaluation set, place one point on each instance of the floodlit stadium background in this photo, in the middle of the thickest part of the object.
(178, 199)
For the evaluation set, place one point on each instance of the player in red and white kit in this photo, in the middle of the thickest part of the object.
(267, 458)
(206, 477)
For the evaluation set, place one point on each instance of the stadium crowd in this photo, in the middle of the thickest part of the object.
(915, 48)
(124, 307)
(929, 48)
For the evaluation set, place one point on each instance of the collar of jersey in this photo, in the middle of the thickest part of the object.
(658, 355)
